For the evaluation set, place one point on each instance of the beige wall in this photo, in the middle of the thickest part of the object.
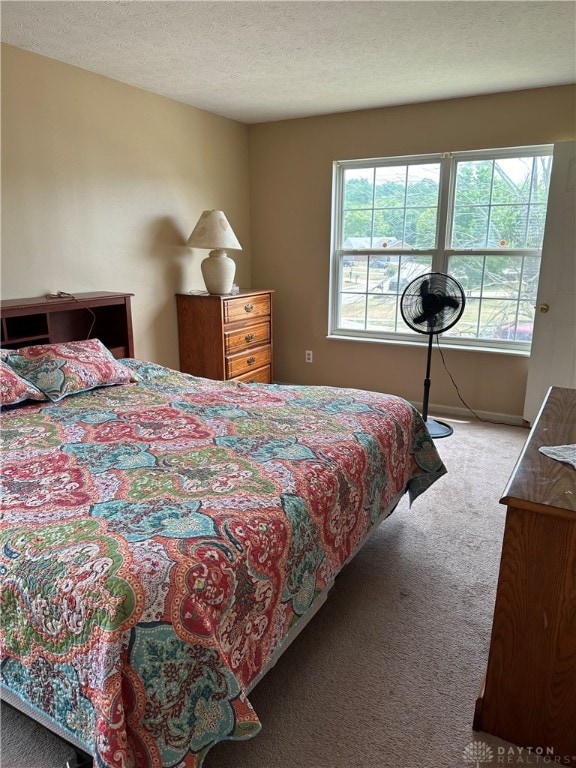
(101, 185)
(290, 191)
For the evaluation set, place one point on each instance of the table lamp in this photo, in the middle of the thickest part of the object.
(214, 232)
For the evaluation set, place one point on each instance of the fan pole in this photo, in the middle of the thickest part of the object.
(436, 428)
(427, 379)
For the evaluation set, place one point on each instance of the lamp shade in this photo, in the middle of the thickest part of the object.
(213, 231)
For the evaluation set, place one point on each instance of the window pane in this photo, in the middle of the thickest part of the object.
(354, 275)
(541, 180)
(502, 276)
(512, 180)
(515, 331)
(511, 193)
(379, 274)
(358, 188)
(393, 267)
(470, 226)
(469, 271)
(408, 269)
(390, 190)
(357, 224)
(508, 226)
(389, 226)
(352, 311)
(420, 229)
(382, 313)
(390, 187)
(467, 326)
(525, 325)
(473, 182)
(530, 275)
(496, 316)
(507, 285)
(423, 185)
(536, 221)
(499, 321)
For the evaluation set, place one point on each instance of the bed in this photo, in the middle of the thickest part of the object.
(165, 537)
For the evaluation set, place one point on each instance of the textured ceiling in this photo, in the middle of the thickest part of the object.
(263, 61)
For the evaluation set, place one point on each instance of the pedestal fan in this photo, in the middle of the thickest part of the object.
(431, 304)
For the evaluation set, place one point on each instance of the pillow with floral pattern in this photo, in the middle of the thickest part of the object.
(65, 369)
(13, 388)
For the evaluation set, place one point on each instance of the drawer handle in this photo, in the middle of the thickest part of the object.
(251, 360)
(249, 337)
(249, 307)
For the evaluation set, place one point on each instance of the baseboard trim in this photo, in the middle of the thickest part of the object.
(463, 414)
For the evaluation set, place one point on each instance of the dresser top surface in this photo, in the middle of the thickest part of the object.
(538, 479)
(223, 297)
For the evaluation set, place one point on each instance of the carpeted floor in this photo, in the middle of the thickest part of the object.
(387, 673)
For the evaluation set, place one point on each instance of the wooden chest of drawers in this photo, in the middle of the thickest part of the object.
(529, 695)
(226, 337)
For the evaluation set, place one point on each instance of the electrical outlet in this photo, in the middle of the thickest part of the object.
(309, 356)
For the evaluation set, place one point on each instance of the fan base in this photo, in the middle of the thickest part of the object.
(438, 429)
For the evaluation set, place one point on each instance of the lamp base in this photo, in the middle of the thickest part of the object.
(218, 271)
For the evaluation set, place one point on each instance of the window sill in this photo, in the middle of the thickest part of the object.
(444, 344)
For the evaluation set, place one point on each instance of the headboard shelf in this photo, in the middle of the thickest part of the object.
(40, 320)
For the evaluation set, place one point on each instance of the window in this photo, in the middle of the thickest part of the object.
(478, 216)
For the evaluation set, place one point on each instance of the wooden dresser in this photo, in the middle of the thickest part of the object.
(529, 695)
(226, 337)
(69, 317)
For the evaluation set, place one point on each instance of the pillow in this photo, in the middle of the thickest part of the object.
(65, 369)
(14, 389)
(4, 353)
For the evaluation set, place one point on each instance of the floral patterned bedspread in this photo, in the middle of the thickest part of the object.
(159, 539)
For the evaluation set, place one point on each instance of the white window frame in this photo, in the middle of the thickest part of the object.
(440, 253)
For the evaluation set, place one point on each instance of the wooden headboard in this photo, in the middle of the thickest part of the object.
(69, 317)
